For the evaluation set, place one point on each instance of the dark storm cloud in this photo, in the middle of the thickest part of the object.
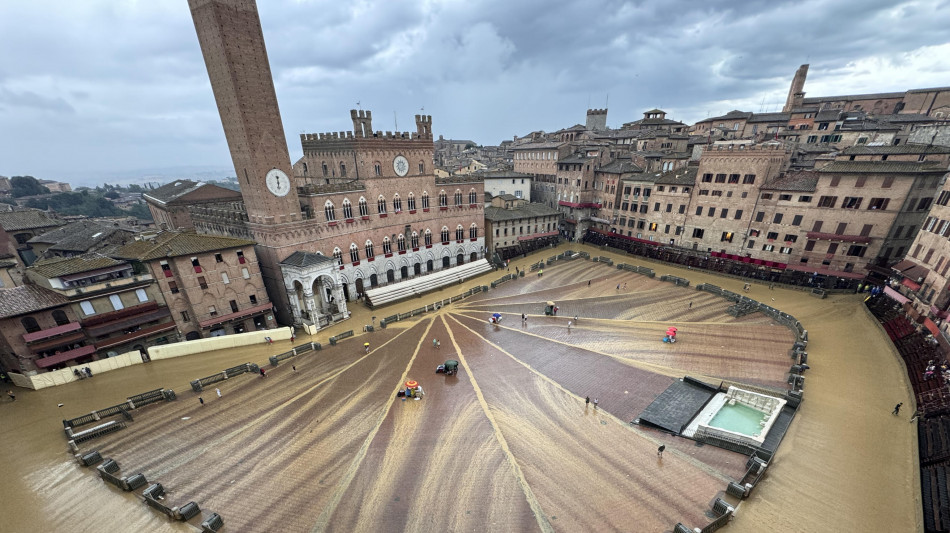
(127, 82)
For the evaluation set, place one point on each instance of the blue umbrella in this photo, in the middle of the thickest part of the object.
(497, 315)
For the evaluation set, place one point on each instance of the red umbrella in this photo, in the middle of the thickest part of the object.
(412, 384)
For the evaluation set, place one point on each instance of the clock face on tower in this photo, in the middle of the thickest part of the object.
(401, 165)
(277, 182)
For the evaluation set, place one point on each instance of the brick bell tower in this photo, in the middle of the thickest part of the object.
(232, 42)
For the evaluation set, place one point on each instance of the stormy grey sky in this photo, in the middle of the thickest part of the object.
(98, 90)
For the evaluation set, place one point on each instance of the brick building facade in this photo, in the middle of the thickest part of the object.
(212, 285)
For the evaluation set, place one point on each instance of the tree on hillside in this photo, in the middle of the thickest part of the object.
(112, 195)
(26, 186)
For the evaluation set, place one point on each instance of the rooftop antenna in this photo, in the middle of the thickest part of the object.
(395, 122)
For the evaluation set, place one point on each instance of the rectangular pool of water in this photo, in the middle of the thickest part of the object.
(739, 418)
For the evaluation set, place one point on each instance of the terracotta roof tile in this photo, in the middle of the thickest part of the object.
(27, 219)
(175, 244)
(883, 167)
(28, 299)
(63, 266)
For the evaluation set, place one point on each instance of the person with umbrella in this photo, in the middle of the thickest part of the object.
(497, 317)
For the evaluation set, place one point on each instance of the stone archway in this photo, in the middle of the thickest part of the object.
(373, 280)
(446, 262)
(417, 268)
(390, 275)
(404, 272)
(473, 257)
(429, 266)
(460, 259)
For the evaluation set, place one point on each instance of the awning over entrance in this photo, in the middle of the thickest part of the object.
(896, 296)
(912, 285)
(904, 265)
(537, 236)
(932, 327)
(826, 271)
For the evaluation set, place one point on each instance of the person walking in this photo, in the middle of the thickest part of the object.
(659, 451)
(201, 400)
(294, 367)
(435, 343)
(569, 324)
(897, 408)
(263, 374)
(524, 318)
(218, 392)
(588, 283)
(690, 305)
(596, 401)
(587, 401)
(11, 395)
(366, 347)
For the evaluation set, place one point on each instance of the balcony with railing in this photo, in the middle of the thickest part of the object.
(244, 313)
(50, 332)
(73, 292)
(120, 315)
(126, 338)
(62, 357)
(138, 320)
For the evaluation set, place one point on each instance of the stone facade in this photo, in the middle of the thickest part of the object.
(503, 182)
(211, 285)
(514, 226)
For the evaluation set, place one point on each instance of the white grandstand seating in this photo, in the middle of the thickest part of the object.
(422, 284)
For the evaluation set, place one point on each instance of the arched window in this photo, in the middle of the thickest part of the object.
(425, 200)
(326, 169)
(458, 198)
(330, 212)
(472, 197)
(338, 256)
(364, 209)
(412, 202)
(387, 246)
(29, 324)
(401, 242)
(415, 239)
(381, 205)
(422, 167)
(397, 203)
(354, 252)
(443, 199)
(60, 317)
(342, 170)
(459, 233)
(377, 168)
(428, 237)
(445, 234)
(347, 208)
(473, 231)
(370, 253)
